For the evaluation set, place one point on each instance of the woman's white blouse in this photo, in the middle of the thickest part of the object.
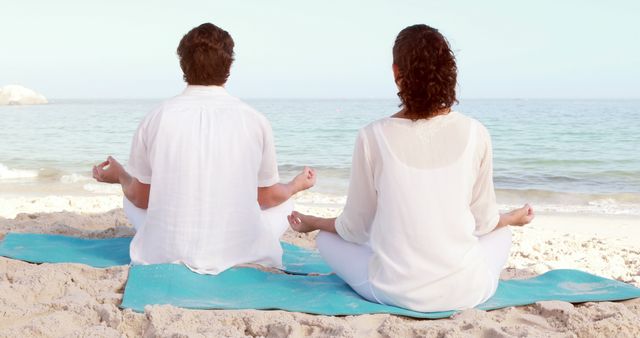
(205, 153)
(420, 195)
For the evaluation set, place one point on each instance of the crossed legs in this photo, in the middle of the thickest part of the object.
(275, 218)
(350, 261)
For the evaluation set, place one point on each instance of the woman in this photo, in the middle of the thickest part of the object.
(421, 228)
(202, 182)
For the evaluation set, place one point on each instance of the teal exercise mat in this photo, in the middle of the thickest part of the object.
(46, 248)
(245, 288)
(102, 253)
(301, 261)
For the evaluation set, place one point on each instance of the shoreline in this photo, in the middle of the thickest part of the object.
(603, 244)
(99, 197)
(83, 194)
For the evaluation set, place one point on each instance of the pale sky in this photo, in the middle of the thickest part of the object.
(322, 49)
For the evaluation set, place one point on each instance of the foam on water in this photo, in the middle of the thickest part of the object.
(12, 174)
(599, 206)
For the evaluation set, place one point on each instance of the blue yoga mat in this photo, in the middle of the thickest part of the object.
(102, 253)
(245, 288)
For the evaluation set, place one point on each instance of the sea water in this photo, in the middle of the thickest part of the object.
(563, 155)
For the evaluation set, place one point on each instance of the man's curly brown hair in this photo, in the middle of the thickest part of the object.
(427, 71)
(206, 54)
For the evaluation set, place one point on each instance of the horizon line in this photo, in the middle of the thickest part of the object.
(354, 98)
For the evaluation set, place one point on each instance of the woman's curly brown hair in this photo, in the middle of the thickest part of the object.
(427, 71)
(206, 54)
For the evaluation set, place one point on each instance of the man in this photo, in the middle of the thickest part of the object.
(203, 164)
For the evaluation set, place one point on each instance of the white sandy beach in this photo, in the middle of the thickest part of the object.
(77, 301)
(423, 106)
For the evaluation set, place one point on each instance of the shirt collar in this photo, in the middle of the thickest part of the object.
(204, 90)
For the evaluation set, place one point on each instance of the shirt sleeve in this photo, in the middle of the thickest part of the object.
(139, 165)
(268, 172)
(354, 224)
(483, 201)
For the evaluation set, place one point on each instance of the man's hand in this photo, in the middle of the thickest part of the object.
(269, 197)
(109, 171)
(304, 180)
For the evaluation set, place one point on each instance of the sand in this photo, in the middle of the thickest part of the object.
(74, 300)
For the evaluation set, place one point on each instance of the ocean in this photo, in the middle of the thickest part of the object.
(561, 155)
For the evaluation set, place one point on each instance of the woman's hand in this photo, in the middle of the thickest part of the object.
(108, 171)
(521, 216)
(305, 223)
(304, 180)
(301, 222)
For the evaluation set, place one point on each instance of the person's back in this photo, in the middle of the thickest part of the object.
(203, 188)
(206, 149)
(423, 235)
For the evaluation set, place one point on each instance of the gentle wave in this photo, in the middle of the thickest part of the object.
(12, 174)
(42, 175)
(554, 201)
(52, 182)
(542, 201)
(548, 196)
(594, 208)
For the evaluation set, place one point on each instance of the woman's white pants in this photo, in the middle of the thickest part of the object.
(350, 261)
